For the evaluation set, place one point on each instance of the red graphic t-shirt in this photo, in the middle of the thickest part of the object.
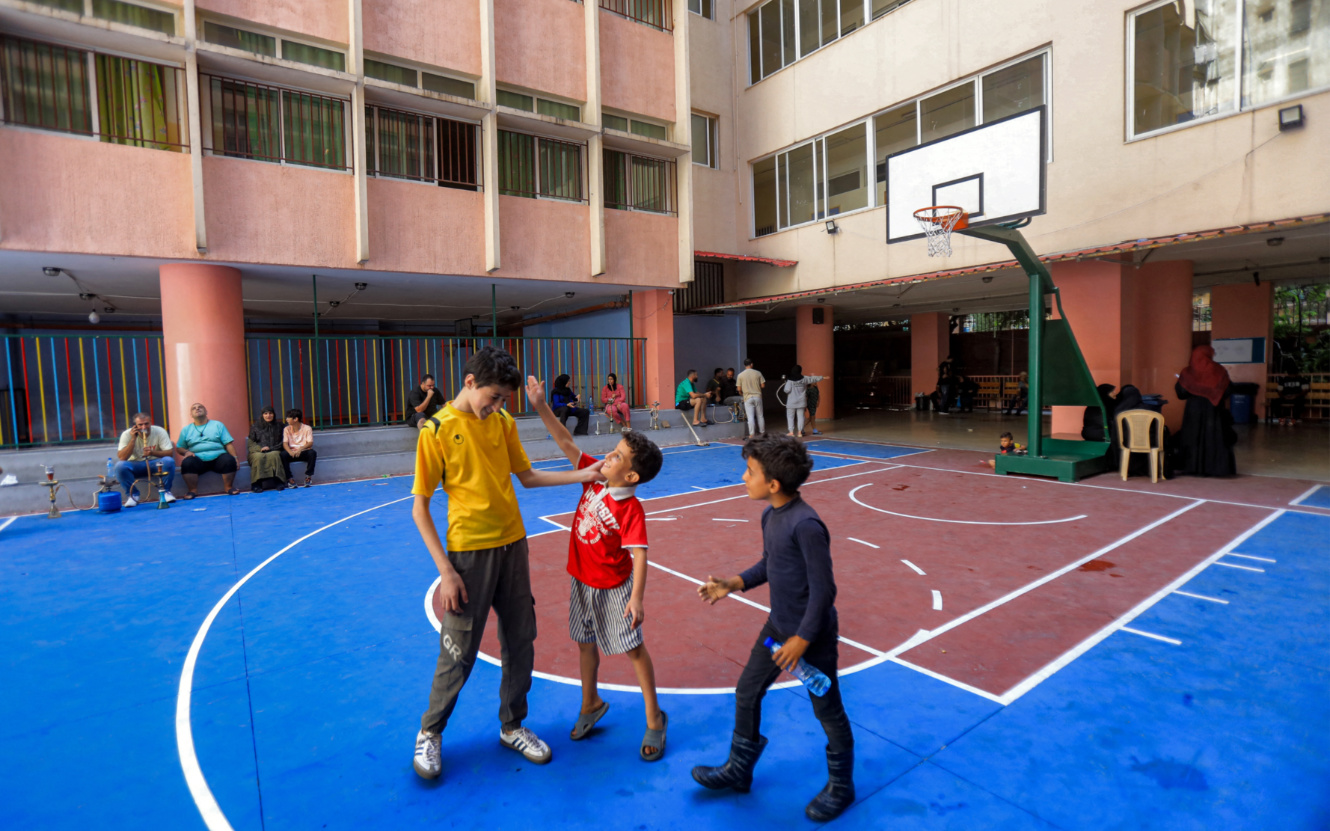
(608, 522)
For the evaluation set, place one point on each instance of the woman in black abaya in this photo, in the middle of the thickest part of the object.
(1205, 443)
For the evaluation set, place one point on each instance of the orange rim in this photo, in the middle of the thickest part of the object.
(939, 214)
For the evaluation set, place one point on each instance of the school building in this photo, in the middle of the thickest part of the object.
(208, 186)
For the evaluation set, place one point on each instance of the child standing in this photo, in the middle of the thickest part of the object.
(471, 446)
(796, 559)
(796, 398)
(609, 582)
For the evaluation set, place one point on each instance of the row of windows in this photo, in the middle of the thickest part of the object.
(846, 170)
(781, 32)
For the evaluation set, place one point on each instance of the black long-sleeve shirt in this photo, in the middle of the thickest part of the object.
(796, 560)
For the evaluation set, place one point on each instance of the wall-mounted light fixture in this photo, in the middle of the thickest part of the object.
(1290, 117)
(987, 278)
(832, 227)
(1275, 242)
(51, 271)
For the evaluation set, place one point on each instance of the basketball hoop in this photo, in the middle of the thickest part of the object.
(938, 221)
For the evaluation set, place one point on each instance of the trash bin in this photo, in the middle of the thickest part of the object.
(1242, 402)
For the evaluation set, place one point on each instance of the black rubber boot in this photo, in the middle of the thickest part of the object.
(839, 791)
(737, 773)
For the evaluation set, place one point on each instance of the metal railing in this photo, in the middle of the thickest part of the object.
(639, 183)
(275, 124)
(72, 389)
(658, 14)
(364, 381)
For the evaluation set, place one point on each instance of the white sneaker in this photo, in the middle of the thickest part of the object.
(130, 502)
(427, 762)
(168, 497)
(525, 742)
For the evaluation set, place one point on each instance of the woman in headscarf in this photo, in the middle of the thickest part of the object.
(564, 403)
(265, 453)
(796, 398)
(615, 399)
(1092, 423)
(1205, 443)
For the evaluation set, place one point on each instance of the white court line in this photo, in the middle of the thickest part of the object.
(862, 542)
(1173, 641)
(721, 519)
(1244, 568)
(1313, 489)
(1251, 557)
(946, 680)
(917, 570)
(661, 519)
(1200, 596)
(1084, 646)
(209, 810)
(7, 523)
(937, 600)
(697, 487)
(745, 495)
(855, 499)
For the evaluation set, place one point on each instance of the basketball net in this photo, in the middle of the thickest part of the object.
(938, 221)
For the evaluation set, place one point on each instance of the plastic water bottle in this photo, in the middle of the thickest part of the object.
(811, 677)
(110, 471)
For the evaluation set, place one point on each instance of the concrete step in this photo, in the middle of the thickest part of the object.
(344, 455)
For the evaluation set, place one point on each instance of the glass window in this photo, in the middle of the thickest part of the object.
(391, 73)
(568, 112)
(313, 55)
(245, 120)
(1184, 58)
(616, 180)
(1286, 55)
(403, 144)
(881, 7)
(893, 131)
(830, 25)
(638, 183)
(45, 86)
(646, 128)
(787, 27)
(1015, 89)
(517, 101)
(701, 7)
(764, 197)
(851, 15)
(560, 169)
(448, 86)
(770, 38)
(313, 129)
(946, 113)
(799, 180)
(614, 122)
(138, 103)
(534, 166)
(458, 154)
(847, 170)
(810, 36)
(517, 164)
(754, 48)
(144, 18)
(239, 39)
(75, 6)
(704, 141)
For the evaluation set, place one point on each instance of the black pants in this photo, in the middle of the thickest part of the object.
(193, 465)
(761, 672)
(309, 455)
(582, 415)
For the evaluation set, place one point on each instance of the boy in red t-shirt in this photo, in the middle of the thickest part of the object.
(606, 577)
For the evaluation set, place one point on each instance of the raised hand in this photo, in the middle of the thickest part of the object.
(535, 390)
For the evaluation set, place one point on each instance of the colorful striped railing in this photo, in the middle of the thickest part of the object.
(60, 389)
(348, 381)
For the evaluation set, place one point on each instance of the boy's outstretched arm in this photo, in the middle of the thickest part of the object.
(715, 588)
(547, 478)
(535, 393)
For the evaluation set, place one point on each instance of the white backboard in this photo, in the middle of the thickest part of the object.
(995, 172)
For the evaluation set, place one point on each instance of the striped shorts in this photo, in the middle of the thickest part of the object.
(596, 616)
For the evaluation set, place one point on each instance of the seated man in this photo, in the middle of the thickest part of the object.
(205, 446)
(716, 388)
(686, 397)
(966, 391)
(142, 448)
(423, 402)
(1293, 391)
(730, 395)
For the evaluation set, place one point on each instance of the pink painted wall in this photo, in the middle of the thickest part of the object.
(636, 67)
(816, 353)
(641, 249)
(544, 239)
(425, 228)
(1094, 296)
(1162, 331)
(278, 214)
(444, 33)
(541, 45)
(203, 335)
(1244, 310)
(653, 319)
(325, 19)
(79, 196)
(930, 342)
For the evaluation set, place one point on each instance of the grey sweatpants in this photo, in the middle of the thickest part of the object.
(757, 420)
(498, 578)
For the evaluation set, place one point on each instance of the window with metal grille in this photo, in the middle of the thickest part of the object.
(707, 288)
(535, 166)
(117, 100)
(423, 148)
(257, 121)
(658, 14)
(639, 183)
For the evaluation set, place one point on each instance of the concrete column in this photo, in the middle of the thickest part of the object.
(195, 116)
(358, 162)
(1162, 309)
(930, 343)
(595, 146)
(816, 352)
(203, 334)
(653, 319)
(487, 91)
(682, 133)
(1244, 310)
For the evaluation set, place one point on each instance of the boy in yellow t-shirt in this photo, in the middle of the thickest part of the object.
(472, 447)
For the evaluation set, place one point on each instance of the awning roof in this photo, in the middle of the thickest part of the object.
(741, 258)
(1086, 253)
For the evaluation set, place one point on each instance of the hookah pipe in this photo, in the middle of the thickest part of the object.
(161, 489)
(53, 485)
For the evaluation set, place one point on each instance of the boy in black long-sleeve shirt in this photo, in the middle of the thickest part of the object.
(796, 561)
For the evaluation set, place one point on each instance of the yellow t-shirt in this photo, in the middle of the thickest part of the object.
(475, 461)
